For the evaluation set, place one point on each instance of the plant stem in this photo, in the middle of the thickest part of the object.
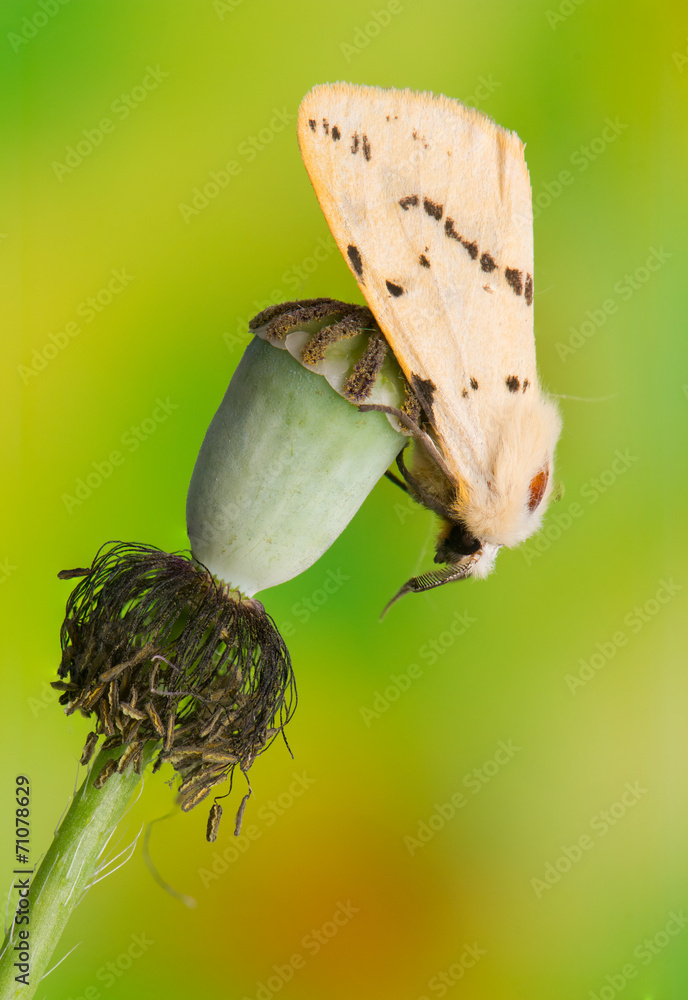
(73, 861)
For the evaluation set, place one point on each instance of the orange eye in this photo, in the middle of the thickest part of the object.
(536, 490)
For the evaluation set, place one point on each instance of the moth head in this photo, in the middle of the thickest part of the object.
(463, 554)
(504, 505)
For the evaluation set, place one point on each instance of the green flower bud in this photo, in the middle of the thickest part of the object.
(286, 463)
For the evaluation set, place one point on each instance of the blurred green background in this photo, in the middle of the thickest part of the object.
(570, 655)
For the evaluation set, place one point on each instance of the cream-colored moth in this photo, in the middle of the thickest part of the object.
(430, 204)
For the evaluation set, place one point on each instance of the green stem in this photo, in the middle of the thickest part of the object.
(70, 865)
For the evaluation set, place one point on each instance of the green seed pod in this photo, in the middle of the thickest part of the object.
(284, 466)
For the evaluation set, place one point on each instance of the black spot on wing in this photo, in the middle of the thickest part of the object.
(354, 256)
(366, 147)
(513, 383)
(424, 389)
(487, 261)
(474, 383)
(434, 210)
(451, 232)
(354, 142)
(336, 134)
(514, 279)
(326, 126)
(464, 393)
(529, 289)
(423, 261)
(311, 122)
(526, 383)
(395, 290)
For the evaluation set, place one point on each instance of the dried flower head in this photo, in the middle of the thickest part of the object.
(155, 648)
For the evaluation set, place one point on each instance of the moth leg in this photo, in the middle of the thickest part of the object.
(395, 479)
(417, 432)
(356, 321)
(281, 319)
(350, 320)
(360, 383)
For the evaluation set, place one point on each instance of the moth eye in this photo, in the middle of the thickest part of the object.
(536, 490)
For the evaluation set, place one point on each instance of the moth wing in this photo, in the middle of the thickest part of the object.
(430, 204)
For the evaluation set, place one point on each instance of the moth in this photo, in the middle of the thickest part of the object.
(430, 204)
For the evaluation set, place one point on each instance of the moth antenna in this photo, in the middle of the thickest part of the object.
(437, 578)
(585, 399)
(416, 432)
